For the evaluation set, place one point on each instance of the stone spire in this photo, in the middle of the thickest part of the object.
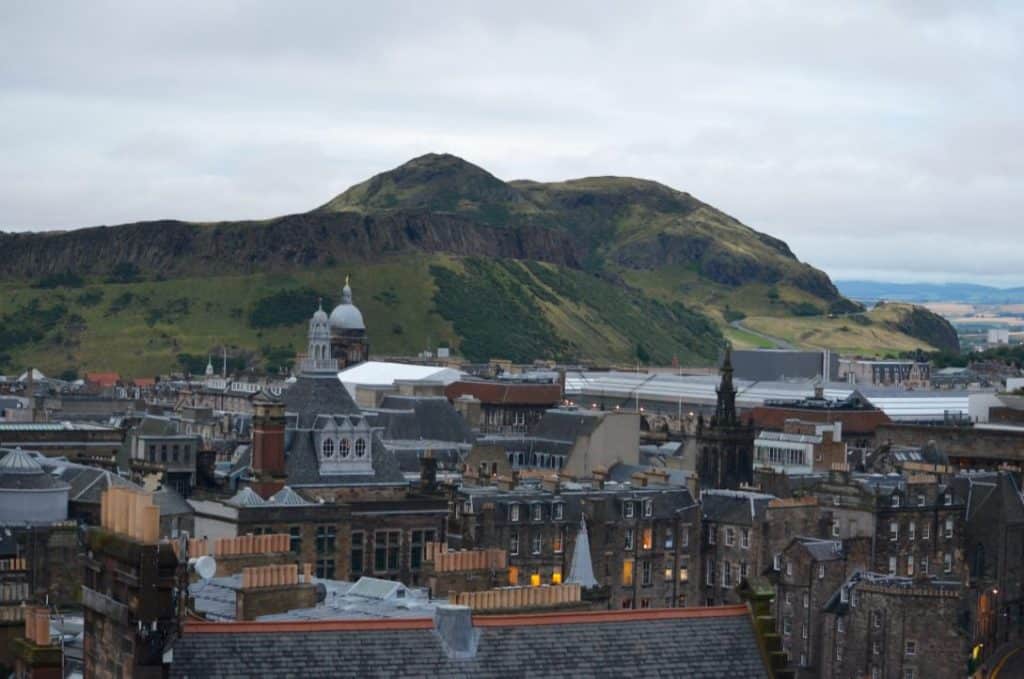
(209, 366)
(725, 410)
(581, 571)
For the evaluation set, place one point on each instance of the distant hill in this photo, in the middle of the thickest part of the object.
(441, 252)
(871, 291)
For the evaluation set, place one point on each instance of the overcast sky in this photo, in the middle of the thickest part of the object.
(881, 141)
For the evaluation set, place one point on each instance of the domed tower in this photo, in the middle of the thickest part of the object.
(349, 344)
(318, 355)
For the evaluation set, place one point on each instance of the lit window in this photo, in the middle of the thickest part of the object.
(556, 576)
(684, 574)
(627, 572)
(648, 539)
(669, 572)
(534, 579)
(513, 576)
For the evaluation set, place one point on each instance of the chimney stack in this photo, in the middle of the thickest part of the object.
(428, 472)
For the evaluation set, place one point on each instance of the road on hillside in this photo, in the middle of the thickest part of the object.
(777, 341)
(1011, 666)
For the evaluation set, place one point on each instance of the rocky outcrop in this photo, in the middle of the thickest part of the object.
(172, 248)
(928, 327)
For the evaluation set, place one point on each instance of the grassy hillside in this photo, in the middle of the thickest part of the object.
(604, 269)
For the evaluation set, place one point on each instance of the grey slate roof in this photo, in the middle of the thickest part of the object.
(646, 646)
(734, 506)
(420, 417)
(20, 471)
(567, 424)
(305, 400)
(171, 503)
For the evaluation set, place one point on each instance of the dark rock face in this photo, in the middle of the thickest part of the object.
(929, 327)
(172, 248)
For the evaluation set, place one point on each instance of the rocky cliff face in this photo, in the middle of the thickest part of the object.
(171, 248)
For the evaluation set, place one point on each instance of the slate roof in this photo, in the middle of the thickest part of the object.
(695, 643)
(171, 503)
(420, 417)
(567, 424)
(308, 398)
(246, 497)
(88, 483)
(734, 506)
(505, 392)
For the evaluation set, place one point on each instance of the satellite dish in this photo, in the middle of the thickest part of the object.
(321, 592)
(205, 567)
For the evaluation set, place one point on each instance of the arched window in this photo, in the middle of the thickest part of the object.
(360, 448)
(344, 448)
(328, 448)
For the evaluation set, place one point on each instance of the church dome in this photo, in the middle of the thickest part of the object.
(346, 316)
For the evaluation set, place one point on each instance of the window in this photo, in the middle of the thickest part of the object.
(789, 598)
(926, 531)
(777, 562)
(709, 572)
(360, 448)
(892, 565)
(835, 528)
(949, 528)
(163, 453)
(839, 652)
(910, 564)
(684, 536)
(947, 563)
(684, 574)
(536, 513)
(645, 603)
(876, 648)
(876, 619)
(152, 453)
(648, 509)
(327, 448)
(836, 500)
(924, 565)
(910, 648)
(840, 627)
(669, 571)
(627, 603)
(787, 627)
(513, 542)
(647, 539)
(821, 571)
(908, 673)
(627, 572)
(513, 576)
(669, 538)
(876, 673)
(646, 577)
(325, 539)
(386, 544)
(513, 512)
(417, 543)
(535, 542)
(730, 536)
(947, 499)
(356, 555)
(895, 500)
(629, 540)
(807, 601)
(726, 574)
(920, 501)
(558, 541)
(556, 575)
(789, 568)
(745, 538)
(803, 633)
(344, 447)
(175, 452)
(744, 569)
(894, 531)
(911, 530)
(295, 539)
(627, 510)
(558, 511)
(711, 534)
(325, 568)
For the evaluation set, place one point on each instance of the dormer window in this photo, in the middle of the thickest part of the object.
(627, 510)
(536, 512)
(559, 511)
(328, 448)
(513, 513)
(920, 501)
(948, 499)
(344, 448)
(648, 508)
(360, 448)
(895, 500)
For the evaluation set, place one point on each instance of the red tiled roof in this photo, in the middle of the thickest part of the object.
(501, 393)
(511, 620)
(103, 379)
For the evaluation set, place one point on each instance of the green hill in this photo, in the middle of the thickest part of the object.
(604, 269)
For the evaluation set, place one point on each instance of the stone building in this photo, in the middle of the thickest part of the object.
(503, 406)
(643, 541)
(725, 445)
(887, 627)
(806, 575)
(801, 447)
(742, 533)
(907, 374)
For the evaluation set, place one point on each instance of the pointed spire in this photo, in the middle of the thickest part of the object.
(581, 571)
(725, 409)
